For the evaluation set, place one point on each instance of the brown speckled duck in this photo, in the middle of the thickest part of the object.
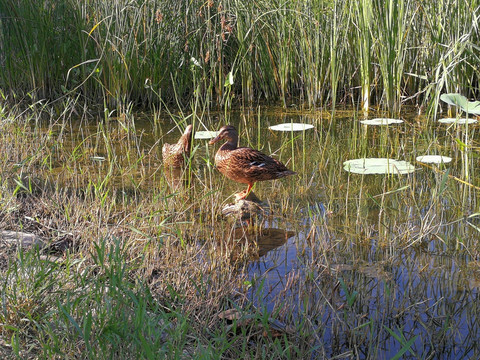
(175, 156)
(245, 165)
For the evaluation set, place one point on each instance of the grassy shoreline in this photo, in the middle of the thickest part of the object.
(134, 270)
(127, 270)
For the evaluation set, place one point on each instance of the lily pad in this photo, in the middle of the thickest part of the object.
(205, 135)
(98, 158)
(460, 101)
(381, 121)
(434, 159)
(291, 127)
(378, 166)
(457, 121)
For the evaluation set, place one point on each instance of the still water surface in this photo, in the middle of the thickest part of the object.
(384, 258)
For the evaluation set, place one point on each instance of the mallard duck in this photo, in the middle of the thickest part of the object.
(175, 156)
(245, 165)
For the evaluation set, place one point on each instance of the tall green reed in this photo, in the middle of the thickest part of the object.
(391, 32)
(309, 52)
(362, 18)
(452, 49)
(41, 41)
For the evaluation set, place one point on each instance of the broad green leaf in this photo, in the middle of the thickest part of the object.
(460, 101)
(455, 100)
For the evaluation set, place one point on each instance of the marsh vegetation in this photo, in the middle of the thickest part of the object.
(342, 265)
(106, 253)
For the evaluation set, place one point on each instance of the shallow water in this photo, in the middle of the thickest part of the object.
(381, 258)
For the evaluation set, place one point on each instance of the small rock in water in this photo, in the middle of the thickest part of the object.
(244, 209)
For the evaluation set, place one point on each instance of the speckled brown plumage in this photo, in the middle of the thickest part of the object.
(245, 165)
(176, 155)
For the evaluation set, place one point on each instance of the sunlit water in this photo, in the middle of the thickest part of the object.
(389, 259)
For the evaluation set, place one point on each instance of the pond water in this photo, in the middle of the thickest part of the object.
(390, 259)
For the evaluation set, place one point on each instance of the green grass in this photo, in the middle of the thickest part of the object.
(303, 53)
(378, 266)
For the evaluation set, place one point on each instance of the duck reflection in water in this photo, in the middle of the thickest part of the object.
(246, 245)
(248, 240)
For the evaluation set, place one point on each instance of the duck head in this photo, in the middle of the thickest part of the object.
(186, 138)
(227, 132)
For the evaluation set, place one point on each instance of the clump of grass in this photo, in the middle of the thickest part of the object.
(363, 18)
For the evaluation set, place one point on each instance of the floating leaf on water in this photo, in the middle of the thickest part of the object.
(291, 127)
(378, 166)
(434, 159)
(381, 121)
(457, 121)
(205, 135)
(98, 158)
(460, 101)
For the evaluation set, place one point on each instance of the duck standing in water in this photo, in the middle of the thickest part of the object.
(245, 165)
(176, 156)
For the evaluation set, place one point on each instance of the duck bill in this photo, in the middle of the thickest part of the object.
(214, 140)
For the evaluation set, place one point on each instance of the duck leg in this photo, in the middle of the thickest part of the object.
(242, 195)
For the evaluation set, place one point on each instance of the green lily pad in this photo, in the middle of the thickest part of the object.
(460, 101)
(378, 166)
(291, 127)
(461, 121)
(205, 135)
(434, 159)
(381, 121)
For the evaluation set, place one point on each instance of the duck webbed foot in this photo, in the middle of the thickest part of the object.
(250, 196)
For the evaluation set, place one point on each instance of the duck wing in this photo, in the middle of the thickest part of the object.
(252, 165)
(173, 155)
